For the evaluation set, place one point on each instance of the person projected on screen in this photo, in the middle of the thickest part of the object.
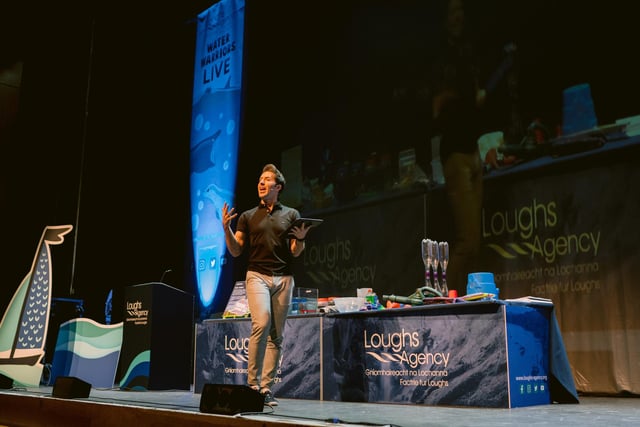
(457, 106)
(269, 278)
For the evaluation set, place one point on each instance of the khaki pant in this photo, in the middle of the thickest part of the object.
(269, 298)
(463, 184)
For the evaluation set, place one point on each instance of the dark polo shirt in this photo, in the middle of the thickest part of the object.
(269, 250)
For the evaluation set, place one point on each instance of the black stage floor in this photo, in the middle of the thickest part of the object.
(36, 407)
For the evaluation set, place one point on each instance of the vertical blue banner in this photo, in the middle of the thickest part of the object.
(215, 129)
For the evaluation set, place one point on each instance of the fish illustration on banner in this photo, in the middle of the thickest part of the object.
(24, 326)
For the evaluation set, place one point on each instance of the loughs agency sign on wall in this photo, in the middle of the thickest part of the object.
(561, 254)
(572, 238)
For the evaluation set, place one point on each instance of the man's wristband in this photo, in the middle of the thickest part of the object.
(299, 240)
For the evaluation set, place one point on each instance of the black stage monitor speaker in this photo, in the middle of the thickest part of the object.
(230, 399)
(70, 388)
(5, 382)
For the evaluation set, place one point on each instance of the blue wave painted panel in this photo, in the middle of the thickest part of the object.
(87, 350)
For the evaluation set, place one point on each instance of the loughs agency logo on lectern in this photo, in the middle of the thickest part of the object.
(136, 314)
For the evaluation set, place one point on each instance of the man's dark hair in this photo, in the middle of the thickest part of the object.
(270, 167)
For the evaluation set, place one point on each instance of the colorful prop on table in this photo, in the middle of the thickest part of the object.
(482, 283)
(435, 250)
(23, 330)
(427, 257)
(444, 261)
(419, 297)
(435, 256)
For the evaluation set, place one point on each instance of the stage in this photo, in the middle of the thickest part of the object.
(36, 407)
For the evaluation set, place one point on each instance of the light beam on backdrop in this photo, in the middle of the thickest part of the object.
(215, 128)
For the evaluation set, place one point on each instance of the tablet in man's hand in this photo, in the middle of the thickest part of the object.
(309, 222)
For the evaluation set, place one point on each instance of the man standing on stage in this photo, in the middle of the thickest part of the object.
(269, 277)
(457, 116)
